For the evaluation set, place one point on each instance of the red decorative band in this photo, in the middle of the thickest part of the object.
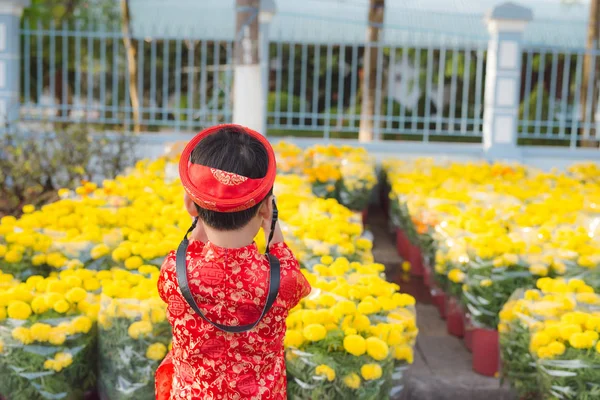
(223, 191)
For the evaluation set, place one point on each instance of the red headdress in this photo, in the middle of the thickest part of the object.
(223, 191)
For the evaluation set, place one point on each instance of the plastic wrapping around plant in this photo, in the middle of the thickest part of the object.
(352, 337)
(344, 173)
(486, 288)
(133, 339)
(358, 178)
(530, 311)
(48, 338)
(290, 158)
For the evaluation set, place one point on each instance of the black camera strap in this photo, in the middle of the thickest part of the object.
(274, 280)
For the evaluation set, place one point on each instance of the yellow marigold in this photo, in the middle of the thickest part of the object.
(22, 334)
(57, 337)
(556, 348)
(293, 338)
(404, 352)
(156, 351)
(38, 259)
(2, 313)
(134, 262)
(544, 352)
(567, 330)
(61, 306)
(377, 348)
(581, 341)
(1, 346)
(76, 295)
(406, 266)
(456, 275)
(485, 283)
(326, 371)
(40, 332)
(314, 332)
(326, 260)
(539, 339)
(82, 324)
(13, 257)
(371, 372)
(355, 345)
(18, 310)
(538, 269)
(352, 381)
(139, 329)
(99, 251)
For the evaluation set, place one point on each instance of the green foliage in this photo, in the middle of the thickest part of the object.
(518, 367)
(34, 166)
(23, 376)
(125, 371)
(304, 384)
(86, 12)
(284, 107)
(485, 302)
(575, 375)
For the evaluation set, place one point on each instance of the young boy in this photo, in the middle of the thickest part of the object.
(228, 326)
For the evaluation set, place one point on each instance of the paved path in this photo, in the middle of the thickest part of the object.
(442, 366)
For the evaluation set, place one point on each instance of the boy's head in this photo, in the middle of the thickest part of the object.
(231, 149)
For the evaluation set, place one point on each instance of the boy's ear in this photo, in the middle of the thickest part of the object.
(266, 208)
(190, 206)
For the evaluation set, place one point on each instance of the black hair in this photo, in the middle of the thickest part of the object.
(231, 149)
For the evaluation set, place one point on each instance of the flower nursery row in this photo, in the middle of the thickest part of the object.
(549, 340)
(478, 232)
(80, 311)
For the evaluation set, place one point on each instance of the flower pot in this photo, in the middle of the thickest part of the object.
(384, 199)
(427, 276)
(416, 261)
(468, 336)
(454, 317)
(365, 215)
(439, 299)
(403, 245)
(486, 352)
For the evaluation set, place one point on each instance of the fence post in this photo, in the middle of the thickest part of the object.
(506, 25)
(10, 58)
(268, 10)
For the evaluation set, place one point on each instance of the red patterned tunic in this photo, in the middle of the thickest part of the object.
(230, 286)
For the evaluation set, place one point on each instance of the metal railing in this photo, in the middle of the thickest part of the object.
(429, 86)
(559, 100)
(72, 75)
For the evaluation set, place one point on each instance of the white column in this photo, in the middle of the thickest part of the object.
(10, 58)
(506, 25)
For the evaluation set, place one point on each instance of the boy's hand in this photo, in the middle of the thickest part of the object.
(277, 236)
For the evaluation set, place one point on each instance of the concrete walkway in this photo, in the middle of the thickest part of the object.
(442, 365)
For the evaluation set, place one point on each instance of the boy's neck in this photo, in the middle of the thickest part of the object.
(232, 239)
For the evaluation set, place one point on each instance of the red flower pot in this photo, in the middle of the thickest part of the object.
(384, 198)
(454, 317)
(416, 261)
(486, 352)
(403, 245)
(468, 337)
(365, 215)
(439, 299)
(427, 276)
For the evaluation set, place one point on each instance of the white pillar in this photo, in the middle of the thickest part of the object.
(10, 58)
(506, 25)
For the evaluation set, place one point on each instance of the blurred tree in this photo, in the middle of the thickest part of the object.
(132, 64)
(369, 75)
